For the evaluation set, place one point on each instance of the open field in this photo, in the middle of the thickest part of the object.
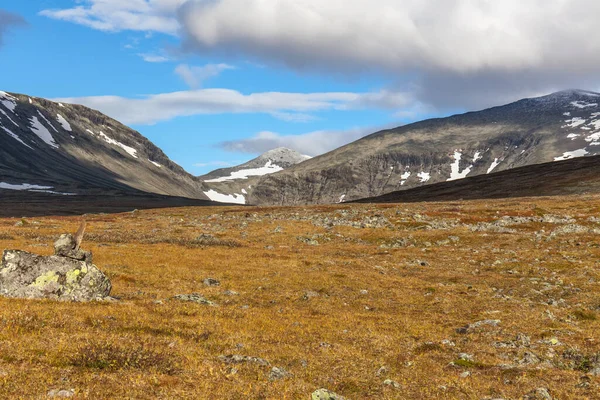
(467, 300)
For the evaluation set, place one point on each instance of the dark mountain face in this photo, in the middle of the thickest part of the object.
(64, 148)
(557, 127)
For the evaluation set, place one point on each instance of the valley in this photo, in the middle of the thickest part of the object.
(464, 299)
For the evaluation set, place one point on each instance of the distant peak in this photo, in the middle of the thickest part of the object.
(574, 92)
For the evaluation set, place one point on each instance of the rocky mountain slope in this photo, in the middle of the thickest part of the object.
(557, 127)
(71, 149)
(577, 176)
(232, 185)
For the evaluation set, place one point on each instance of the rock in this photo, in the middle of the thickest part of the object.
(382, 371)
(471, 327)
(538, 394)
(66, 246)
(324, 394)
(27, 275)
(238, 359)
(391, 383)
(211, 282)
(278, 373)
(309, 295)
(194, 298)
(61, 393)
(465, 374)
(230, 293)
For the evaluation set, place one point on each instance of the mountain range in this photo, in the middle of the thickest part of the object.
(57, 149)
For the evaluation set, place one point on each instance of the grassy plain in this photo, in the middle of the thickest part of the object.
(341, 297)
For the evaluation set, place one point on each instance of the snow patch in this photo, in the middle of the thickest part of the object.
(23, 186)
(64, 123)
(567, 114)
(16, 137)
(455, 172)
(130, 150)
(405, 175)
(155, 163)
(244, 191)
(573, 136)
(269, 168)
(87, 130)
(574, 122)
(583, 104)
(425, 176)
(477, 156)
(47, 122)
(572, 154)
(42, 132)
(492, 167)
(342, 197)
(224, 198)
(60, 105)
(9, 118)
(8, 101)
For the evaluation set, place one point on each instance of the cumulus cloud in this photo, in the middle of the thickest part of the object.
(161, 107)
(311, 143)
(120, 15)
(194, 77)
(7, 21)
(454, 53)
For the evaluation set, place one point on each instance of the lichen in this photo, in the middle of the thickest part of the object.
(43, 280)
(74, 276)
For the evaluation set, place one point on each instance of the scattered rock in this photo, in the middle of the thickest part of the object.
(538, 394)
(238, 359)
(465, 374)
(194, 298)
(211, 282)
(230, 293)
(382, 371)
(471, 327)
(391, 383)
(324, 394)
(278, 373)
(62, 393)
(309, 295)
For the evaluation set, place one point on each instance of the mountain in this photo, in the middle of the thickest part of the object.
(575, 176)
(70, 149)
(233, 184)
(556, 127)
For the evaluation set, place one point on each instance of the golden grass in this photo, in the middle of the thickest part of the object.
(148, 346)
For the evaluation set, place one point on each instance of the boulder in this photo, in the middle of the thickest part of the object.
(67, 275)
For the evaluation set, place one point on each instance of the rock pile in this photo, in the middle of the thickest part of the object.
(67, 275)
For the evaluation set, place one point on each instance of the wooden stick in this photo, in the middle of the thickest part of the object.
(79, 235)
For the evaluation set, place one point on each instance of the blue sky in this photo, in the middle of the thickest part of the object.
(217, 82)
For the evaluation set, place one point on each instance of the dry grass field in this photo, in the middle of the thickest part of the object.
(460, 300)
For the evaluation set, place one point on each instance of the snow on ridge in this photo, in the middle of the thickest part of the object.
(42, 132)
(224, 198)
(64, 123)
(455, 173)
(425, 176)
(130, 150)
(583, 104)
(23, 186)
(572, 154)
(16, 137)
(8, 101)
(492, 167)
(48, 122)
(7, 116)
(269, 168)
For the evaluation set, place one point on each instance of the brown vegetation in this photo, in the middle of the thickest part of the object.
(471, 300)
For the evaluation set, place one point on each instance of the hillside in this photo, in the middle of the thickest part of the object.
(571, 177)
(71, 149)
(560, 126)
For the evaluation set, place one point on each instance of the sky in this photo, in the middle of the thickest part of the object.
(215, 83)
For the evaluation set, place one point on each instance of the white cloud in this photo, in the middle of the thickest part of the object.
(153, 58)
(120, 15)
(161, 107)
(194, 77)
(454, 53)
(311, 143)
